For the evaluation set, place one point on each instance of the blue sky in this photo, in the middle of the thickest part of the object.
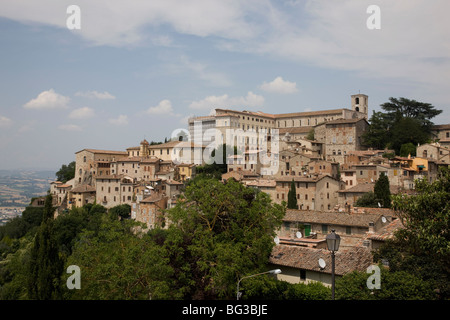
(139, 69)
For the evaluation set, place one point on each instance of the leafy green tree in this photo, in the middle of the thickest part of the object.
(382, 191)
(14, 271)
(45, 266)
(219, 232)
(377, 134)
(399, 285)
(403, 121)
(16, 228)
(368, 199)
(268, 288)
(117, 264)
(67, 228)
(310, 135)
(407, 131)
(123, 211)
(292, 197)
(422, 245)
(407, 149)
(66, 172)
(406, 108)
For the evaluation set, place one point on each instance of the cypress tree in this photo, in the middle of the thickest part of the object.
(292, 197)
(382, 191)
(45, 264)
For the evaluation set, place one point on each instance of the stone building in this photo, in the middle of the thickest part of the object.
(313, 193)
(301, 264)
(91, 162)
(80, 196)
(256, 127)
(435, 151)
(179, 152)
(150, 210)
(114, 190)
(441, 133)
(136, 167)
(352, 227)
(340, 137)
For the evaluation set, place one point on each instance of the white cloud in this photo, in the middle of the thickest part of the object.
(5, 122)
(212, 102)
(69, 127)
(82, 113)
(96, 95)
(164, 107)
(121, 120)
(48, 100)
(410, 48)
(278, 85)
(115, 22)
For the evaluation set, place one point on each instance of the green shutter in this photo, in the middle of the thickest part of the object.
(307, 230)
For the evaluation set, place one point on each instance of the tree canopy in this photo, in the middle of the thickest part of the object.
(66, 172)
(292, 197)
(422, 246)
(223, 231)
(403, 121)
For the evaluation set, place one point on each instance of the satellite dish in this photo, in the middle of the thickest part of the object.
(298, 234)
(322, 263)
(383, 219)
(379, 205)
(277, 240)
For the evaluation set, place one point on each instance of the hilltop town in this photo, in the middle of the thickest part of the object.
(320, 152)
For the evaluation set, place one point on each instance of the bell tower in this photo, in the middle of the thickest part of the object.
(360, 103)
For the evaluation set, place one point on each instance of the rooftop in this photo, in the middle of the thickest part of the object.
(112, 152)
(332, 218)
(387, 232)
(347, 260)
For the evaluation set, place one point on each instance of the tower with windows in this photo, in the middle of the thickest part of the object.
(360, 103)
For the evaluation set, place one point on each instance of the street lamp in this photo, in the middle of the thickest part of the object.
(333, 241)
(238, 294)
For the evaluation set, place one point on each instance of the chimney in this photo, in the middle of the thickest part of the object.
(371, 227)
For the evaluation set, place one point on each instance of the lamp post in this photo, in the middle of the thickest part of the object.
(238, 294)
(333, 241)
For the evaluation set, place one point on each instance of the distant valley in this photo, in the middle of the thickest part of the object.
(17, 187)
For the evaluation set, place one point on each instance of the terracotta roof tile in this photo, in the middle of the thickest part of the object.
(332, 218)
(347, 260)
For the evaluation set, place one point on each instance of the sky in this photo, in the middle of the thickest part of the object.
(116, 72)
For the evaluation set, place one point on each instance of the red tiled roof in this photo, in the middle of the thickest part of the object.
(387, 232)
(332, 218)
(347, 260)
